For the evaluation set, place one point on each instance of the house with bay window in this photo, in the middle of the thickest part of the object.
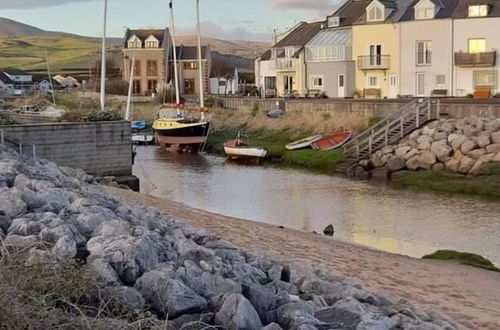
(151, 51)
(476, 46)
(329, 60)
(376, 48)
(426, 47)
(289, 57)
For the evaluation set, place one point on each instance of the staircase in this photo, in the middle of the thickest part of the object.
(390, 130)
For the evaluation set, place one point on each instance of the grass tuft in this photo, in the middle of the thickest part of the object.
(464, 258)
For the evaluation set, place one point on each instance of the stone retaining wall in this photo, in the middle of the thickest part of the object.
(100, 148)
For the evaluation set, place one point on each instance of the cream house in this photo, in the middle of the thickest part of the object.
(476, 46)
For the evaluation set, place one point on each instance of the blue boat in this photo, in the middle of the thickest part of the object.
(275, 113)
(139, 125)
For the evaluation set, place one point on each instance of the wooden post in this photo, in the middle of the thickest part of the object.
(386, 135)
(417, 112)
(429, 109)
(438, 109)
(402, 127)
(370, 145)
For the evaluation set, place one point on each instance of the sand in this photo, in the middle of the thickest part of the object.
(467, 295)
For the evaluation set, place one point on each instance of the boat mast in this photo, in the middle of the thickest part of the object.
(130, 86)
(103, 58)
(176, 74)
(50, 78)
(200, 68)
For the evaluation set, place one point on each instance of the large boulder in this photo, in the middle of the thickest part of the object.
(426, 159)
(452, 164)
(345, 314)
(466, 165)
(91, 218)
(52, 200)
(410, 154)
(484, 159)
(495, 137)
(265, 298)
(441, 150)
(396, 163)
(458, 141)
(483, 139)
(295, 315)
(468, 146)
(475, 154)
(402, 151)
(11, 206)
(413, 163)
(493, 148)
(237, 313)
(65, 248)
(168, 296)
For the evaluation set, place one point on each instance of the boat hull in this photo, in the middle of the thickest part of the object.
(332, 142)
(174, 133)
(304, 143)
(245, 152)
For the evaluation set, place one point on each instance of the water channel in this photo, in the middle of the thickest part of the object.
(379, 216)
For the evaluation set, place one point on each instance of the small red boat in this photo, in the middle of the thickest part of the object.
(333, 141)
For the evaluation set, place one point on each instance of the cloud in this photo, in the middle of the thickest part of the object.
(213, 30)
(29, 4)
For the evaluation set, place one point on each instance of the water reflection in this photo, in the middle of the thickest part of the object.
(398, 221)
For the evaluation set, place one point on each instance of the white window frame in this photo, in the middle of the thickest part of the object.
(375, 12)
(316, 85)
(368, 82)
(427, 52)
(289, 52)
(424, 13)
(333, 21)
(438, 84)
(134, 42)
(492, 76)
(478, 10)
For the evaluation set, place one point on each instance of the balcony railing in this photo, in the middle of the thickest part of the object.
(374, 62)
(284, 64)
(486, 59)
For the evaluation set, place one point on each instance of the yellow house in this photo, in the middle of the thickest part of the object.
(375, 48)
(289, 56)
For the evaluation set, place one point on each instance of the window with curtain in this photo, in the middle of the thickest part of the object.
(478, 10)
(424, 53)
(477, 46)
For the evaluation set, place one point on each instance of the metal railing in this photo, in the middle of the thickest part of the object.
(485, 59)
(285, 63)
(374, 62)
(19, 145)
(393, 128)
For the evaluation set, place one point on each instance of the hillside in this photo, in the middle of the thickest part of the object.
(10, 28)
(241, 48)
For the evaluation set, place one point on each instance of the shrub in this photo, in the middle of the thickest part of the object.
(112, 115)
(463, 258)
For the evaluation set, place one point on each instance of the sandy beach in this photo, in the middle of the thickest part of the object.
(468, 296)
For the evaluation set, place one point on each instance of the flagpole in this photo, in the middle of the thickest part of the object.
(200, 67)
(176, 74)
(103, 58)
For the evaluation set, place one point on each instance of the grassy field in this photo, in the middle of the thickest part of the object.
(485, 184)
(64, 52)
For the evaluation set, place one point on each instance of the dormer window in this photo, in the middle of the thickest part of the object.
(424, 13)
(375, 12)
(478, 11)
(151, 42)
(134, 42)
(333, 21)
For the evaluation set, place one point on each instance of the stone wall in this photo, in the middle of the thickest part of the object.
(101, 148)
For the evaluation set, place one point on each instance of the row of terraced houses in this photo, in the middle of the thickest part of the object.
(388, 49)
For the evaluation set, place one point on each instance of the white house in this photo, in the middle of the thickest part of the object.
(19, 76)
(6, 85)
(265, 75)
(476, 46)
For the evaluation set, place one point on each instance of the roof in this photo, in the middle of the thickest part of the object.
(462, 8)
(351, 11)
(399, 8)
(187, 53)
(15, 72)
(4, 78)
(266, 56)
(143, 34)
(330, 37)
(301, 35)
(446, 10)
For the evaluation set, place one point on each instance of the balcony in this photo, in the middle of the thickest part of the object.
(374, 62)
(285, 64)
(486, 59)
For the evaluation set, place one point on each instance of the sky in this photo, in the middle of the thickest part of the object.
(223, 19)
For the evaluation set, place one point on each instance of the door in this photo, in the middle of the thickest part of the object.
(420, 84)
(189, 86)
(341, 88)
(375, 55)
(393, 86)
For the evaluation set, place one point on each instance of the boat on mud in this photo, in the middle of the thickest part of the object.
(332, 142)
(303, 143)
(240, 149)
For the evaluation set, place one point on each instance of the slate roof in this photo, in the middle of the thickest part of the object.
(15, 72)
(351, 11)
(4, 78)
(300, 36)
(447, 8)
(187, 53)
(266, 56)
(462, 8)
(399, 8)
(144, 34)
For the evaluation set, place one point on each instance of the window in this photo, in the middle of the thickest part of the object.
(485, 78)
(137, 87)
(190, 65)
(152, 68)
(326, 53)
(424, 53)
(372, 81)
(424, 13)
(440, 80)
(135, 44)
(375, 55)
(333, 21)
(151, 44)
(289, 52)
(375, 14)
(317, 81)
(137, 68)
(270, 82)
(152, 85)
(477, 46)
(478, 11)
(222, 83)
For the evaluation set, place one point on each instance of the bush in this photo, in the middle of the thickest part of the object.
(96, 115)
(463, 258)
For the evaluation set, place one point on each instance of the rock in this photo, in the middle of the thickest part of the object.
(493, 148)
(495, 137)
(329, 230)
(438, 167)
(458, 155)
(365, 163)
(428, 130)
(11, 206)
(492, 125)
(264, 299)
(426, 159)
(89, 220)
(484, 159)
(361, 173)
(410, 154)
(105, 273)
(22, 182)
(52, 199)
(413, 163)
(440, 136)
(424, 146)
(24, 227)
(65, 248)
(377, 161)
(475, 154)
(483, 139)
(168, 296)
(272, 326)
(295, 314)
(345, 314)
(441, 150)
(452, 137)
(192, 322)
(189, 250)
(458, 141)
(466, 164)
(123, 297)
(238, 313)
(415, 135)
(452, 164)
(112, 228)
(21, 241)
(52, 233)
(468, 146)
(402, 151)
(396, 163)
(424, 139)
(387, 150)
(381, 174)
(496, 158)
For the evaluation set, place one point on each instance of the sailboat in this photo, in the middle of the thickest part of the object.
(183, 132)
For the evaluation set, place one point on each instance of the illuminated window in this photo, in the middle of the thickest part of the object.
(478, 11)
(190, 65)
(477, 46)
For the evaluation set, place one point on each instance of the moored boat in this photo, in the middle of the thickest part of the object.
(303, 143)
(332, 142)
(181, 131)
(239, 149)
